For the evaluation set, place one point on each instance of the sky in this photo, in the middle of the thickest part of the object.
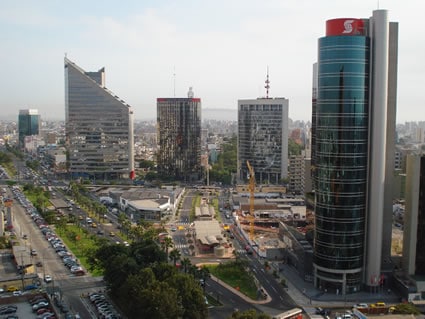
(160, 48)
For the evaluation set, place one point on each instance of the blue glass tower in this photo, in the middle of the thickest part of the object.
(353, 120)
(28, 124)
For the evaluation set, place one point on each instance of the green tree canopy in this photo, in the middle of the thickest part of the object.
(145, 285)
(248, 314)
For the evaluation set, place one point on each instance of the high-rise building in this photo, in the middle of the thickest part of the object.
(28, 124)
(179, 137)
(296, 174)
(414, 220)
(354, 136)
(99, 127)
(263, 139)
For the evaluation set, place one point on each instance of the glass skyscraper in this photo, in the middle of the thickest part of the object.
(354, 115)
(99, 127)
(179, 137)
(28, 124)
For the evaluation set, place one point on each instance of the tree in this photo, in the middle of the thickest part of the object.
(145, 297)
(175, 256)
(248, 314)
(166, 244)
(186, 263)
(144, 285)
(191, 296)
(146, 164)
(294, 148)
(226, 163)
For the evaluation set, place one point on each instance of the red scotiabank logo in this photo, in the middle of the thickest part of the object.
(346, 26)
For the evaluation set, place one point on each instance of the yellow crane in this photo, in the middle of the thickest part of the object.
(251, 199)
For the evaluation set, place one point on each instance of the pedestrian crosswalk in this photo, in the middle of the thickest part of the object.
(181, 246)
(182, 223)
(240, 251)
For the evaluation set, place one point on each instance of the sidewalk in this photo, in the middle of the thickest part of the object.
(306, 295)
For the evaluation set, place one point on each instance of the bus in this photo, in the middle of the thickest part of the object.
(295, 313)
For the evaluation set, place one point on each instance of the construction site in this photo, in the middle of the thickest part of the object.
(261, 214)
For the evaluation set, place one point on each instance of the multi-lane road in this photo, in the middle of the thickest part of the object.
(69, 286)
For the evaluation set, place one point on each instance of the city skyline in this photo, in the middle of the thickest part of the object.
(221, 49)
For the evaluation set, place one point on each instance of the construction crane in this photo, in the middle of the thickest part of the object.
(251, 199)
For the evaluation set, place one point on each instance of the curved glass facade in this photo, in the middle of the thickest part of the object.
(341, 159)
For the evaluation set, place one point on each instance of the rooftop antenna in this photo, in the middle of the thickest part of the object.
(174, 80)
(267, 86)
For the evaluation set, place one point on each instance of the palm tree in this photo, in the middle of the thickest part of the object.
(126, 225)
(186, 263)
(137, 232)
(166, 243)
(175, 255)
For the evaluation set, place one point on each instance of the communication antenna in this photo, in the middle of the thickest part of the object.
(267, 86)
(174, 80)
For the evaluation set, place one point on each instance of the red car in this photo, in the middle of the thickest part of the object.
(42, 310)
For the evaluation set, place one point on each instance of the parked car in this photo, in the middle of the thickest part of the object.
(7, 311)
(17, 293)
(41, 304)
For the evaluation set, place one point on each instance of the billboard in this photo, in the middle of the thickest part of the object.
(345, 26)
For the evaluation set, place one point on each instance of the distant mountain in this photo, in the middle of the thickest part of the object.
(220, 114)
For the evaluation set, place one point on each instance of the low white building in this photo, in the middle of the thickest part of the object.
(148, 209)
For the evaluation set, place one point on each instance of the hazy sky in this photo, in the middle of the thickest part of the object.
(222, 48)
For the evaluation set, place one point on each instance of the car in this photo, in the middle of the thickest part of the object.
(7, 311)
(46, 315)
(112, 234)
(173, 229)
(43, 310)
(8, 306)
(33, 252)
(361, 305)
(41, 304)
(30, 287)
(12, 288)
(48, 278)
(37, 299)
(100, 232)
(1, 290)
(39, 264)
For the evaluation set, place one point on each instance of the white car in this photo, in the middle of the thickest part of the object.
(48, 278)
(361, 305)
(17, 293)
